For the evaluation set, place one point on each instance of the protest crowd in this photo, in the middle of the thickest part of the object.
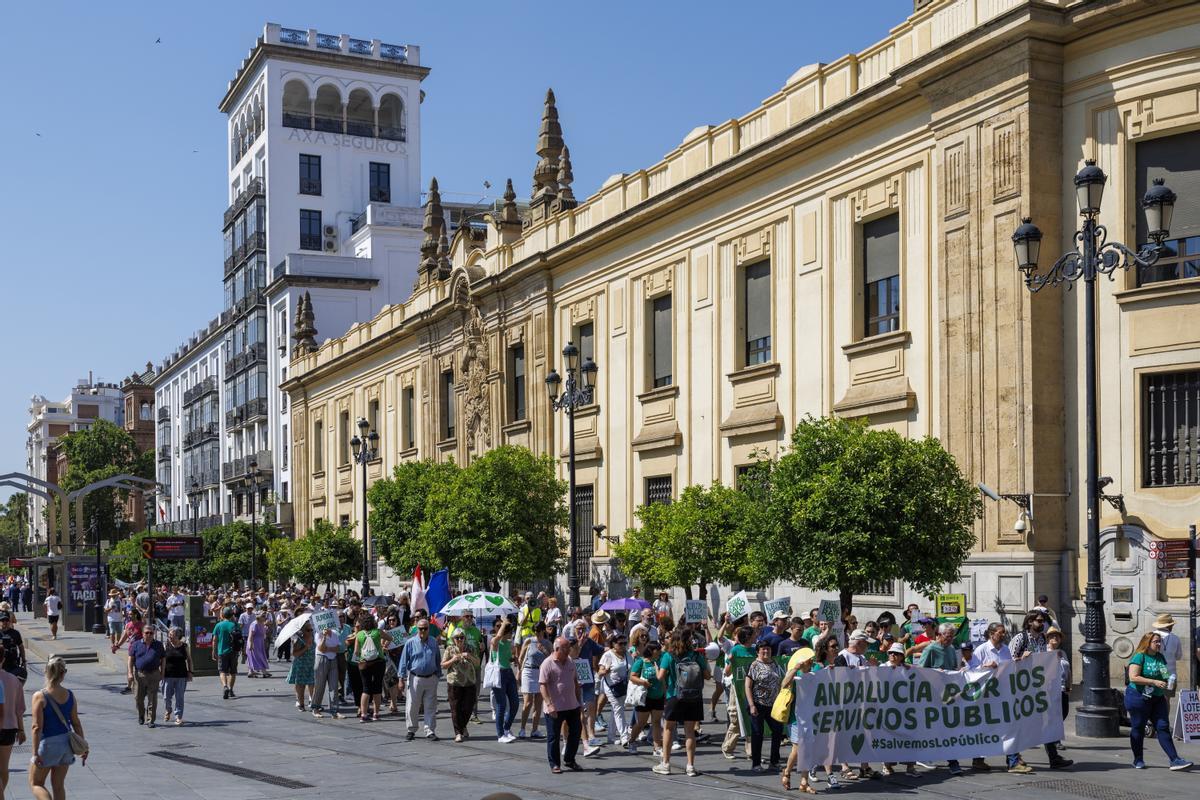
(618, 676)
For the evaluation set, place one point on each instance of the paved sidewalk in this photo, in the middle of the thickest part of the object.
(280, 753)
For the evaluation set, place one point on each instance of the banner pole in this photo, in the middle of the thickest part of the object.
(1192, 602)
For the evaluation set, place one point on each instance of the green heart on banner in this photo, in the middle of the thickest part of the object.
(856, 742)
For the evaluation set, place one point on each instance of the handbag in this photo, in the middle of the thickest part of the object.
(636, 695)
(491, 675)
(781, 710)
(79, 745)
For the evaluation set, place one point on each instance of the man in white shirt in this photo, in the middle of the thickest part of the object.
(175, 603)
(852, 656)
(645, 624)
(553, 613)
(114, 615)
(1171, 646)
(993, 651)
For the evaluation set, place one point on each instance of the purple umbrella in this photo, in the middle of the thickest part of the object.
(625, 604)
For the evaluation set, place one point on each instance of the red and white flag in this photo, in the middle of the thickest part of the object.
(162, 511)
(417, 595)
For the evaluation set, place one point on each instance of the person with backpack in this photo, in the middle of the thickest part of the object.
(685, 672)
(12, 647)
(227, 643)
(369, 646)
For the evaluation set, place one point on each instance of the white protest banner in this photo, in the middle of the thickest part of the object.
(325, 618)
(738, 605)
(830, 611)
(695, 611)
(915, 714)
(1187, 718)
(783, 604)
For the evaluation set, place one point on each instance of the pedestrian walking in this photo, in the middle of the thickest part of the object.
(561, 699)
(684, 672)
(644, 672)
(419, 670)
(504, 695)
(326, 678)
(739, 647)
(55, 715)
(226, 636)
(282, 617)
(763, 681)
(1147, 679)
(462, 679)
(12, 721)
(53, 604)
(613, 675)
(177, 672)
(176, 602)
(300, 675)
(114, 615)
(257, 664)
(534, 650)
(147, 657)
(369, 646)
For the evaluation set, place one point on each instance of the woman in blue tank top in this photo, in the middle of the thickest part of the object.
(51, 744)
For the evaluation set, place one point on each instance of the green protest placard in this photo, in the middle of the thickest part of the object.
(915, 714)
(953, 608)
(741, 664)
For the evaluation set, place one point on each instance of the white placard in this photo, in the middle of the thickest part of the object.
(695, 611)
(738, 605)
(783, 604)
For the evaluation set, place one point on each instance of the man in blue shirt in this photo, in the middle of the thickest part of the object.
(420, 666)
(776, 633)
(147, 655)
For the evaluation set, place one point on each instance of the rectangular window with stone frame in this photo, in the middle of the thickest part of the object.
(408, 403)
(756, 312)
(516, 393)
(318, 447)
(446, 401)
(310, 229)
(658, 489)
(660, 332)
(310, 174)
(1171, 429)
(1175, 159)
(881, 275)
(343, 438)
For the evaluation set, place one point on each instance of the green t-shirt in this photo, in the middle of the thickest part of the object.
(940, 656)
(502, 653)
(376, 635)
(1154, 667)
(222, 637)
(742, 650)
(812, 633)
(667, 662)
(648, 670)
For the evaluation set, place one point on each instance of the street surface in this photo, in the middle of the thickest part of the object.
(280, 752)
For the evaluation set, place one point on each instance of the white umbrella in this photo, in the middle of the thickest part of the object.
(290, 629)
(481, 604)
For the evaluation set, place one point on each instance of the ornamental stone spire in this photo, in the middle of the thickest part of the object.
(304, 332)
(435, 226)
(443, 256)
(566, 198)
(549, 148)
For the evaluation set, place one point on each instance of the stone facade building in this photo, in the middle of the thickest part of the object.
(844, 248)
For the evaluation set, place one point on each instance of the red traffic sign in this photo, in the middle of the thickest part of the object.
(17, 563)
(173, 548)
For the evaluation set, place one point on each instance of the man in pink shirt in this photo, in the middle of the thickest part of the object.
(561, 696)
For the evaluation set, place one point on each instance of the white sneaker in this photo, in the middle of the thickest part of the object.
(644, 736)
(833, 781)
(590, 750)
(676, 747)
(624, 741)
(506, 738)
(692, 771)
(661, 769)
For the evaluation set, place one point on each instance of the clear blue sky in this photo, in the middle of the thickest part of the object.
(113, 251)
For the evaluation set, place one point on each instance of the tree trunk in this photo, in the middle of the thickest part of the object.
(846, 597)
(687, 592)
(704, 590)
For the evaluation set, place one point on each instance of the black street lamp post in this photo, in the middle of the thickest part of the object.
(194, 497)
(1094, 256)
(98, 625)
(252, 475)
(574, 397)
(364, 449)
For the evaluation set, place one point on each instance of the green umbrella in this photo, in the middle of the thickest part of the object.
(481, 604)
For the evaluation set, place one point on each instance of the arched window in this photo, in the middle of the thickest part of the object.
(258, 118)
(236, 149)
(297, 107)
(391, 118)
(327, 111)
(144, 411)
(360, 114)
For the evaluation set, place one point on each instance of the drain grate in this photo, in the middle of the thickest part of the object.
(228, 769)
(1092, 791)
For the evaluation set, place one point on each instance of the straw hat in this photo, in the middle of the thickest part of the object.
(600, 617)
(1164, 621)
(804, 654)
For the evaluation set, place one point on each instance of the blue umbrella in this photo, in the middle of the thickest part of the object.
(625, 604)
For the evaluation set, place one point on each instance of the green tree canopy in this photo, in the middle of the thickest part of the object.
(855, 505)
(102, 451)
(398, 508)
(500, 519)
(326, 554)
(226, 557)
(279, 559)
(14, 524)
(710, 534)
